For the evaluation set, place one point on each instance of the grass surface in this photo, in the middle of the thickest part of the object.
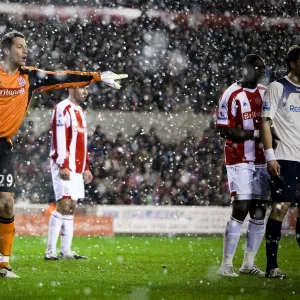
(140, 267)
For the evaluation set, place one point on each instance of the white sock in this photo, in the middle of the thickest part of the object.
(254, 235)
(55, 223)
(67, 234)
(231, 240)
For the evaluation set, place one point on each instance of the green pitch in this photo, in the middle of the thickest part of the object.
(141, 267)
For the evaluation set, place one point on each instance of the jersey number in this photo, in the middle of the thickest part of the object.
(9, 179)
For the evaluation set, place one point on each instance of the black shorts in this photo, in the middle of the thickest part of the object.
(7, 170)
(284, 188)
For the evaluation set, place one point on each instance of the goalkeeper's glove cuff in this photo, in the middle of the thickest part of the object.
(109, 78)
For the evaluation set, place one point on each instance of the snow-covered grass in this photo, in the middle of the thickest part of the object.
(144, 267)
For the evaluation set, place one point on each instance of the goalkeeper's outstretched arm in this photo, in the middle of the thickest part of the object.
(41, 80)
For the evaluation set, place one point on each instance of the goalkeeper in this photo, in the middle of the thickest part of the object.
(17, 84)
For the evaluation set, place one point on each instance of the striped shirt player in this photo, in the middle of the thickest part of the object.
(238, 120)
(69, 148)
(281, 122)
(70, 168)
(241, 108)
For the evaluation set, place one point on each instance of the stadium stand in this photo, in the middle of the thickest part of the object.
(141, 169)
(176, 61)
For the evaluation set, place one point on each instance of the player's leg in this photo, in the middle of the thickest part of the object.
(273, 236)
(56, 218)
(67, 210)
(283, 191)
(298, 210)
(254, 236)
(240, 190)
(298, 226)
(7, 224)
(255, 227)
(55, 224)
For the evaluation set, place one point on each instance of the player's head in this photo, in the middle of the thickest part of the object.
(14, 48)
(292, 59)
(253, 68)
(78, 95)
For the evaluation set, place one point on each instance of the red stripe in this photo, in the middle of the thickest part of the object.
(54, 142)
(80, 147)
(68, 137)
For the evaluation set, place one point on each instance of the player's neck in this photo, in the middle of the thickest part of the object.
(74, 101)
(9, 67)
(294, 78)
(248, 85)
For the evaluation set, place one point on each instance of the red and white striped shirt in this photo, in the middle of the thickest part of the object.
(241, 108)
(69, 137)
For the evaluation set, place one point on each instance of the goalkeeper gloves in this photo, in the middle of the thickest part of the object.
(109, 78)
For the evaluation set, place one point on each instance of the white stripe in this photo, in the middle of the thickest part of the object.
(61, 124)
(4, 258)
(248, 124)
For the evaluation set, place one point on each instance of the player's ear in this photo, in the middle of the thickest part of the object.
(6, 51)
(292, 65)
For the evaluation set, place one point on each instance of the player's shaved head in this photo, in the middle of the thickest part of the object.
(253, 60)
(253, 69)
(293, 55)
(7, 39)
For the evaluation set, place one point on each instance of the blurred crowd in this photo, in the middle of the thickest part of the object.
(172, 67)
(259, 7)
(140, 169)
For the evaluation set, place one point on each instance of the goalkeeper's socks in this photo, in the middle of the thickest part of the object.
(7, 234)
(67, 233)
(55, 223)
(273, 235)
(231, 240)
(298, 231)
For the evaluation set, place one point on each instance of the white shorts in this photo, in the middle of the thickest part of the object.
(72, 189)
(248, 181)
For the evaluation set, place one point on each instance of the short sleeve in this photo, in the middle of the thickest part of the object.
(227, 111)
(271, 99)
(62, 117)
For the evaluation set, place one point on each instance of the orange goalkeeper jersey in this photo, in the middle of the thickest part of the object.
(16, 92)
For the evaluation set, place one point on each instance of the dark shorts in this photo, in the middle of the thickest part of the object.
(284, 188)
(7, 171)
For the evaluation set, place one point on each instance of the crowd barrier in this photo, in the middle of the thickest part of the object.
(108, 220)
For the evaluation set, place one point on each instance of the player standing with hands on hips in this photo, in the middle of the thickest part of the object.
(17, 84)
(281, 121)
(70, 170)
(239, 122)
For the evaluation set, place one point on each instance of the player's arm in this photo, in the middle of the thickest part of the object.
(266, 134)
(41, 80)
(47, 80)
(238, 133)
(60, 124)
(270, 103)
(87, 175)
